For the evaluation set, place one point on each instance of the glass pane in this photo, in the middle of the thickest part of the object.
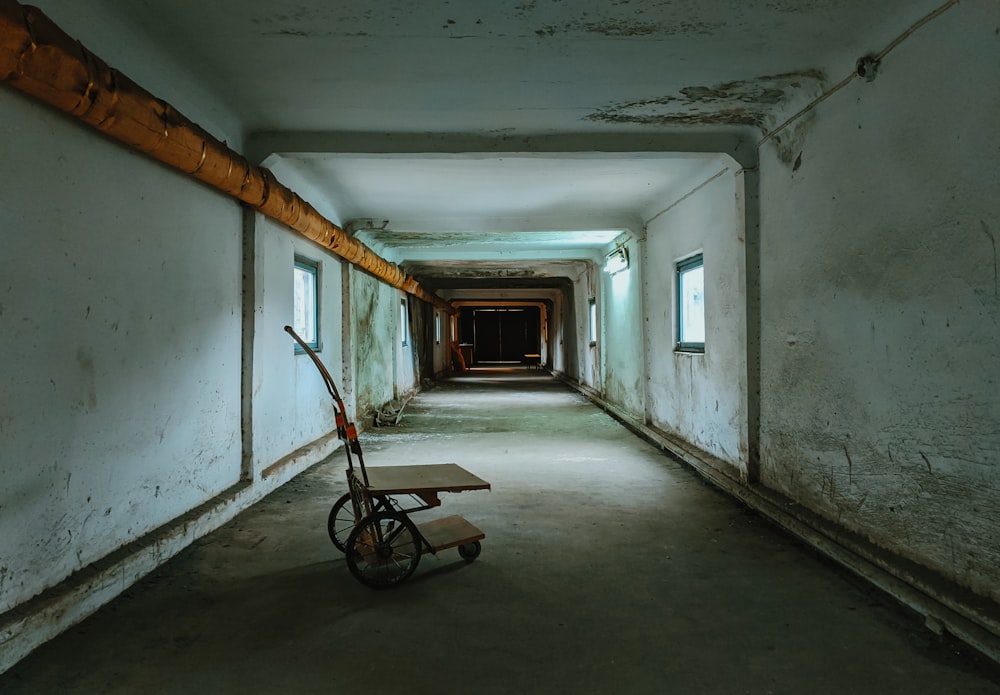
(593, 321)
(304, 304)
(403, 328)
(692, 329)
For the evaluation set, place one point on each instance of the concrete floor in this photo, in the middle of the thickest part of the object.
(607, 568)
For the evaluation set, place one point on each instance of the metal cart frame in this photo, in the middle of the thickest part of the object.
(372, 527)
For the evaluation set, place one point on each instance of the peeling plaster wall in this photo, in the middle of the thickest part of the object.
(881, 303)
(753, 102)
(588, 356)
(120, 340)
(624, 380)
(291, 406)
(407, 346)
(408, 367)
(565, 354)
(383, 366)
(440, 337)
(562, 341)
(701, 398)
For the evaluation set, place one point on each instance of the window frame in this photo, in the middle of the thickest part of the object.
(592, 320)
(311, 267)
(681, 267)
(404, 322)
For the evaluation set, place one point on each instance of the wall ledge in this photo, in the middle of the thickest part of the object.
(944, 605)
(313, 451)
(39, 619)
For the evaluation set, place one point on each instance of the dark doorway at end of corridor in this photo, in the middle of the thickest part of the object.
(500, 335)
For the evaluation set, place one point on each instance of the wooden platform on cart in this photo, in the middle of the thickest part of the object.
(449, 532)
(417, 480)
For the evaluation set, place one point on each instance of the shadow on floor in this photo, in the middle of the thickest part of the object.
(607, 568)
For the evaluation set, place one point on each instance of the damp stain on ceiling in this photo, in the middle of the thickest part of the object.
(750, 102)
(404, 85)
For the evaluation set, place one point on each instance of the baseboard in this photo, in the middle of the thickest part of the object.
(944, 605)
(36, 621)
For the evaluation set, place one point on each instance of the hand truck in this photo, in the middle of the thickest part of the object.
(371, 527)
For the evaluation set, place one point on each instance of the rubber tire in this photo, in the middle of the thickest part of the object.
(470, 551)
(340, 523)
(377, 565)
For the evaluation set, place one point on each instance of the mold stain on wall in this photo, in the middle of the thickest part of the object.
(373, 327)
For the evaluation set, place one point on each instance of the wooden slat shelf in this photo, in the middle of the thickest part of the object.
(449, 532)
(436, 477)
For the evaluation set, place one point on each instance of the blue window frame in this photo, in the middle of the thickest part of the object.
(305, 301)
(404, 323)
(592, 320)
(691, 304)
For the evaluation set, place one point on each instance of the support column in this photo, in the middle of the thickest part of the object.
(750, 179)
(347, 340)
(248, 329)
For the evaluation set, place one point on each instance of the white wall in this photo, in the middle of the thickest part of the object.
(701, 398)
(881, 304)
(121, 343)
(116, 32)
(291, 406)
(587, 286)
(621, 333)
(120, 338)
(559, 334)
(441, 339)
(406, 367)
(383, 367)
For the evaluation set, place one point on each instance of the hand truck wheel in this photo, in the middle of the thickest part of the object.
(383, 549)
(470, 551)
(340, 523)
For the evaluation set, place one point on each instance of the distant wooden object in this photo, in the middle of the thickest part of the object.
(533, 360)
(458, 361)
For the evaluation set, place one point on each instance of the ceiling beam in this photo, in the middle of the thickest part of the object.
(40, 59)
(739, 142)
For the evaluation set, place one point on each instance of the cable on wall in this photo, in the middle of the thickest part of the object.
(866, 68)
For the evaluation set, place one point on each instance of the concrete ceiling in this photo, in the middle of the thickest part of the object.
(516, 206)
(495, 134)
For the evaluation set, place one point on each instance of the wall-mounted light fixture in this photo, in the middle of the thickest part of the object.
(617, 261)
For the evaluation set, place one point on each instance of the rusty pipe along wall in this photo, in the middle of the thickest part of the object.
(40, 59)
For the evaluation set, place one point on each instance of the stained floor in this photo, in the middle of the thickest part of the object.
(607, 568)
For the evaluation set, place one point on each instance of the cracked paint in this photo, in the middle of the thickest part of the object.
(741, 102)
(619, 27)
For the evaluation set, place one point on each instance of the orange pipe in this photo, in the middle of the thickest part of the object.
(40, 59)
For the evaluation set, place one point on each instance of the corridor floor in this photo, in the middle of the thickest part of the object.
(607, 568)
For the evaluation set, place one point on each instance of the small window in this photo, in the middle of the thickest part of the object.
(404, 324)
(593, 321)
(305, 302)
(437, 327)
(691, 304)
